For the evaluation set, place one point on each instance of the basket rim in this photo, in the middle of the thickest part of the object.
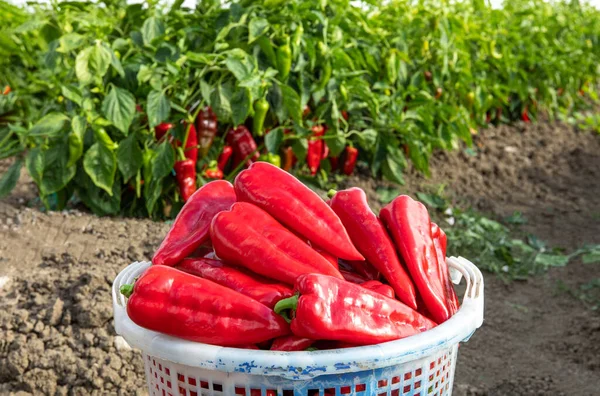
(306, 364)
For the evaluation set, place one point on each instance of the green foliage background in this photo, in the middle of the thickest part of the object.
(414, 76)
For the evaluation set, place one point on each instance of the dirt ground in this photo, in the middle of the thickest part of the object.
(56, 269)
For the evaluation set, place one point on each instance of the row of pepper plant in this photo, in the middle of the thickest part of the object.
(129, 107)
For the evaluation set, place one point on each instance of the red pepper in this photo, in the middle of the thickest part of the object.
(345, 115)
(305, 111)
(334, 162)
(291, 343)
(350, 161)
(352, 277)
(525, 115)
(288, 159)
(488, 117)
(213, 171)
(333, 309)
(410, 227)
(206, 128)
(325, 151)
(243, 144)
(296, 206)
(248, 236)
(173, 302)
(6, 90)
(372, 240)
(191, 226)
(262, 290)
(440, 242)
(191, 145)
(315, 149)
(224, 157)
(378, 287)
(161, 129)
(185, 173)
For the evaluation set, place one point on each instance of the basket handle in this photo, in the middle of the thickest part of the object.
(473, 299)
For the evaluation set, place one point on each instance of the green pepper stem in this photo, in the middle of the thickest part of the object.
(285, 304)
(126, 290)
(331, 193)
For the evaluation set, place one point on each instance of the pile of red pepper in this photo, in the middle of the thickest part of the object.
(266, 263)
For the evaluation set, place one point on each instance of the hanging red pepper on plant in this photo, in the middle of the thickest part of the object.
(206, 129)
(191, 144)
(185, 174)
(296, 206)
(173, 302)
(161, 129)
(243, 144)
(314, 153)
(288, 159)
(350, 160)
(410, 227)
(333, 309)
(191, 226)
(213, 172)
(249, 237)
(254, 286)
(525, 114)
(224, 157)
(372, 240)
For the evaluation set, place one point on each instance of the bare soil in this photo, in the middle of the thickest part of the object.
(56, 269)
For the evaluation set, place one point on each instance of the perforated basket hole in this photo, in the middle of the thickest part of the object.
(241, 391)
(361, 388)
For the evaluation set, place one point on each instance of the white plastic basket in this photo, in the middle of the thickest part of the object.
(419, 365)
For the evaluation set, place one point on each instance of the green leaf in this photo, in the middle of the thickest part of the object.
(239, 64)
(49, 125)
(72, 93)
(100, 163)
(144, 74)
(432, 200)
(152, 192)
(273, 140)
(70, 42)
(56, 173)
(300, 148)
(158, 108)
(256, 28)
(152, 28)
(98, 200)
(163, 161)
(291, 102)
(82, 68)
(116, 64)
(205, 90)
(394, 164)
(34, 161)
(129, 157)
(8, 181)
(100, 58)
(119, 107)
(337, 144)
(241, 103)
(79, 125)
(592, 257)
(220, 104)
(387, 194)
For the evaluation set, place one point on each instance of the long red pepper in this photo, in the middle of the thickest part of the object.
(248, 236)
(191, 144)
(410, 227)
(243, 144)
(372, 240)
(329, 257)
(206, 128)
(191, 226)
(314, 153)
(173, 302)
(254, 286)
(185, 174)
(296, 206)
(224, 157)
(350, 160)
(333, 309)
(440, 243)
(161, 129)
